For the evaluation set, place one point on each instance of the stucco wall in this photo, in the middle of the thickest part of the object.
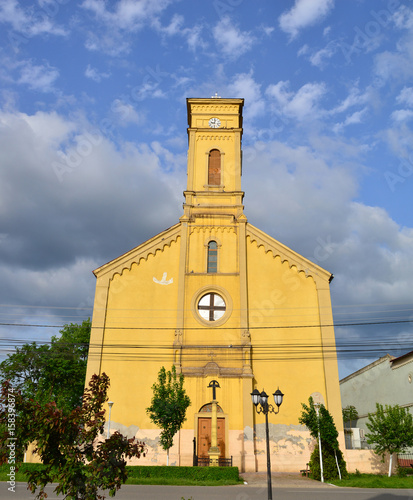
(381, 382)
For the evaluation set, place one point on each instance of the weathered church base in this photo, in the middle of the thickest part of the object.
(290, 452)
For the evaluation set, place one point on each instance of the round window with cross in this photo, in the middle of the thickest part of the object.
(211, 307)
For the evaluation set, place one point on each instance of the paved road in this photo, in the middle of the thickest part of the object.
(244, 492)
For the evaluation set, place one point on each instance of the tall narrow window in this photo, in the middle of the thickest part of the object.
(214, 167)
(212, 266)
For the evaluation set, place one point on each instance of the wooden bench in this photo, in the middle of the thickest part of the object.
(305, 472)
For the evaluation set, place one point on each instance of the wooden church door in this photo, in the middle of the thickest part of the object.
(204, 436)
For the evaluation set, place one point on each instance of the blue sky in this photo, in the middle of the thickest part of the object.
(93, 145)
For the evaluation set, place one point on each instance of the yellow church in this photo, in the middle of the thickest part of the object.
(221, 300)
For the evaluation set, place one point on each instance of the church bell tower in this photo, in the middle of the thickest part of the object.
(214, 159)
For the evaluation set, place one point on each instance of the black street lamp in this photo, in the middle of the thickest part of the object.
(265, 407)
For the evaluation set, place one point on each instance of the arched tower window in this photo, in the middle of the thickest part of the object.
(212, 266)
(214, 167)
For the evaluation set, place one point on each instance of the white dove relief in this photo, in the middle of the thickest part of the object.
(163, 281)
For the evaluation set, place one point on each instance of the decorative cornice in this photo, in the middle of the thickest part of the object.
(217, 108)
(212, 229)
(150, 247)
(217, 137)
(212, 368)
(286, 254)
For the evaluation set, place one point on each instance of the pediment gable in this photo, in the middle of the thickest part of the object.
(286, 254)
(149, 247)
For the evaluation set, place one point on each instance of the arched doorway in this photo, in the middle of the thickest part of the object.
(204, 430)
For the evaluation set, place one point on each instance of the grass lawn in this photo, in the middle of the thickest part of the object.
(374, 481)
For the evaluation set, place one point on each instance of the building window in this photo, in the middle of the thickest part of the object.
(214, 167)
(212, 265)
(211, 307)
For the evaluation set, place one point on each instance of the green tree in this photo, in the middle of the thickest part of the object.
(333, 461)
(350, 414)
(70, 445)
(391, 430)
(168, 406)
(54, 372)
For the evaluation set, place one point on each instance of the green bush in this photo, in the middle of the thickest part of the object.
(154, 473)
(188, 473)
(329, 464)
(403, 471)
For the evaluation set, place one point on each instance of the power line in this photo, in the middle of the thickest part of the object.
(266, 327)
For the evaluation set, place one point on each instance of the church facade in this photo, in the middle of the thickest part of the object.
(221, 300)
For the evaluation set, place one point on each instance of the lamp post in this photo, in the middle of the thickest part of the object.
(317, 410)
(110, 403)
(265, 407)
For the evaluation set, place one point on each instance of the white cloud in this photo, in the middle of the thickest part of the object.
(268, 30)
(395, 65)
(319, 58)
(175, 26)
(126, 14)
(303, 50)
(231, 40)
(124, 113)
(29, 21)
(372, 241)
(112, 43)
(245, 86)
(402, 115)
(124, 17)
(150, 89)
(305, 104)
(194, 38)
(53, 163)
(406, 96)
(95, 75)
(326, 31)
(354, 98)
(312, 189)
(304, 13)
(300, 105)
(403, 17)
(400, 140)
(354, 118)
(38, 77)
(79, 194)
